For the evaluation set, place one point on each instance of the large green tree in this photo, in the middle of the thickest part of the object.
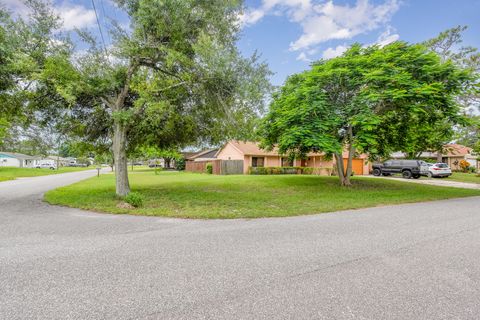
(30, 48)
(175, 77)
(364, 101)
(449, 46)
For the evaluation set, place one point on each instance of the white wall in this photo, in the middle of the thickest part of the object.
(9, 162)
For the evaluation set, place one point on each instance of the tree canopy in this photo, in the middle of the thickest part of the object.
(369, 100)
(174, 77)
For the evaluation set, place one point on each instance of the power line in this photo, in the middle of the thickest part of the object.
(99, 28)
(104, 19)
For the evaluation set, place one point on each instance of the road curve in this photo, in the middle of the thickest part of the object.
(416, 261)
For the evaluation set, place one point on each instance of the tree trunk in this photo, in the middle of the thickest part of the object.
(120, 154)
(344, 179)
(439, 156)
(120, 137)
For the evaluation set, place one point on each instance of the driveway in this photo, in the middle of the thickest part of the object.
(417, 261)
(434, 182)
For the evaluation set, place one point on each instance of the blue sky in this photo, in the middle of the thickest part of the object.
(290, 34)
(407, 20)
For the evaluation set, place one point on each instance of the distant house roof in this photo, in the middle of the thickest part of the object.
(453, 149)
(209, 153)
(401, 155)
(17, 155)
(250, 148)
(53, 157)
(188, 155)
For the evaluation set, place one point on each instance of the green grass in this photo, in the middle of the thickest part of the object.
(10, 173)
(464, 177)
(189, 195)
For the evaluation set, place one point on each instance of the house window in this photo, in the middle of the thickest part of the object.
(287, 163)
(257, 161)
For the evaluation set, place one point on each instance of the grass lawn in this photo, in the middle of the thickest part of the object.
(10, 173)
(464, 177)
(190, 195)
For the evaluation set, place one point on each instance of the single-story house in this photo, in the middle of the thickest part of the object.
(62, 162)
(19, 160)
(454, 153)
(253, 156)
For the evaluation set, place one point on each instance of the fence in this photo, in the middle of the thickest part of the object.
(218, 166)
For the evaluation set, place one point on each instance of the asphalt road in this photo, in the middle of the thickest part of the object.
(418, 261)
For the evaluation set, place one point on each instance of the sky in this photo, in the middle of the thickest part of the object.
(290, 34)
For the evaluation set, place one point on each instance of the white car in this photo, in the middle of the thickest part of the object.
(439, 170)
(46, 166)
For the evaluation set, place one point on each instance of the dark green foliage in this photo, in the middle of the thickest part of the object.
(180, 164)
(209, 168)
(280, 170)
(135, 199)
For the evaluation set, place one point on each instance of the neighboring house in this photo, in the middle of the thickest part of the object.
(62, 162)
(19, 160)
(252, 156)
(454, 153)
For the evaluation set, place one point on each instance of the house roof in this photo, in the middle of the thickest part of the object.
(209, 153)
(250, 148)
(188, 155)
(453, 149)
(53, 157)
(401, 155)
(18, 155)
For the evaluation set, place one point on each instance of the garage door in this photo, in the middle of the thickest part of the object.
(357, 166)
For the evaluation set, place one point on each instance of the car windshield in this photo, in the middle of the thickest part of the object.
(441, 165)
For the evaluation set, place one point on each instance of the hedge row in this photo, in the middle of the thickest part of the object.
(287, 170)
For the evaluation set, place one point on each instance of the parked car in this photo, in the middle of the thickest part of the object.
(46, 166)
(408, 168)
(439, 170)
(153, 165)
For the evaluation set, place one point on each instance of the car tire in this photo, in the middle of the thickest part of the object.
(377, 172)
(430, 175)
(407, 174)
(386, 174)
(416, 176)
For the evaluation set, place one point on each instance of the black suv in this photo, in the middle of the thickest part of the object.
(408, 168)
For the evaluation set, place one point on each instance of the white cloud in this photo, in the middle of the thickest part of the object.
(303, 57)
(251, 17)
(72, 15)
(15, 6)
(324, 21)
(332, 53)
(75, 16)
(328, 21)
(387, 37)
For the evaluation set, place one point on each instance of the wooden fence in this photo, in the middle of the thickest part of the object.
(218, 166)
(231, 167)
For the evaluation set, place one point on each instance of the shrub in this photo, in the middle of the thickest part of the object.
(135, 199)
(180, 164)
(209, 168)
(308, 170)
(280, 170)
(464, 165)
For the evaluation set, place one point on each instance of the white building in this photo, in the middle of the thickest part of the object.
(19, 160)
